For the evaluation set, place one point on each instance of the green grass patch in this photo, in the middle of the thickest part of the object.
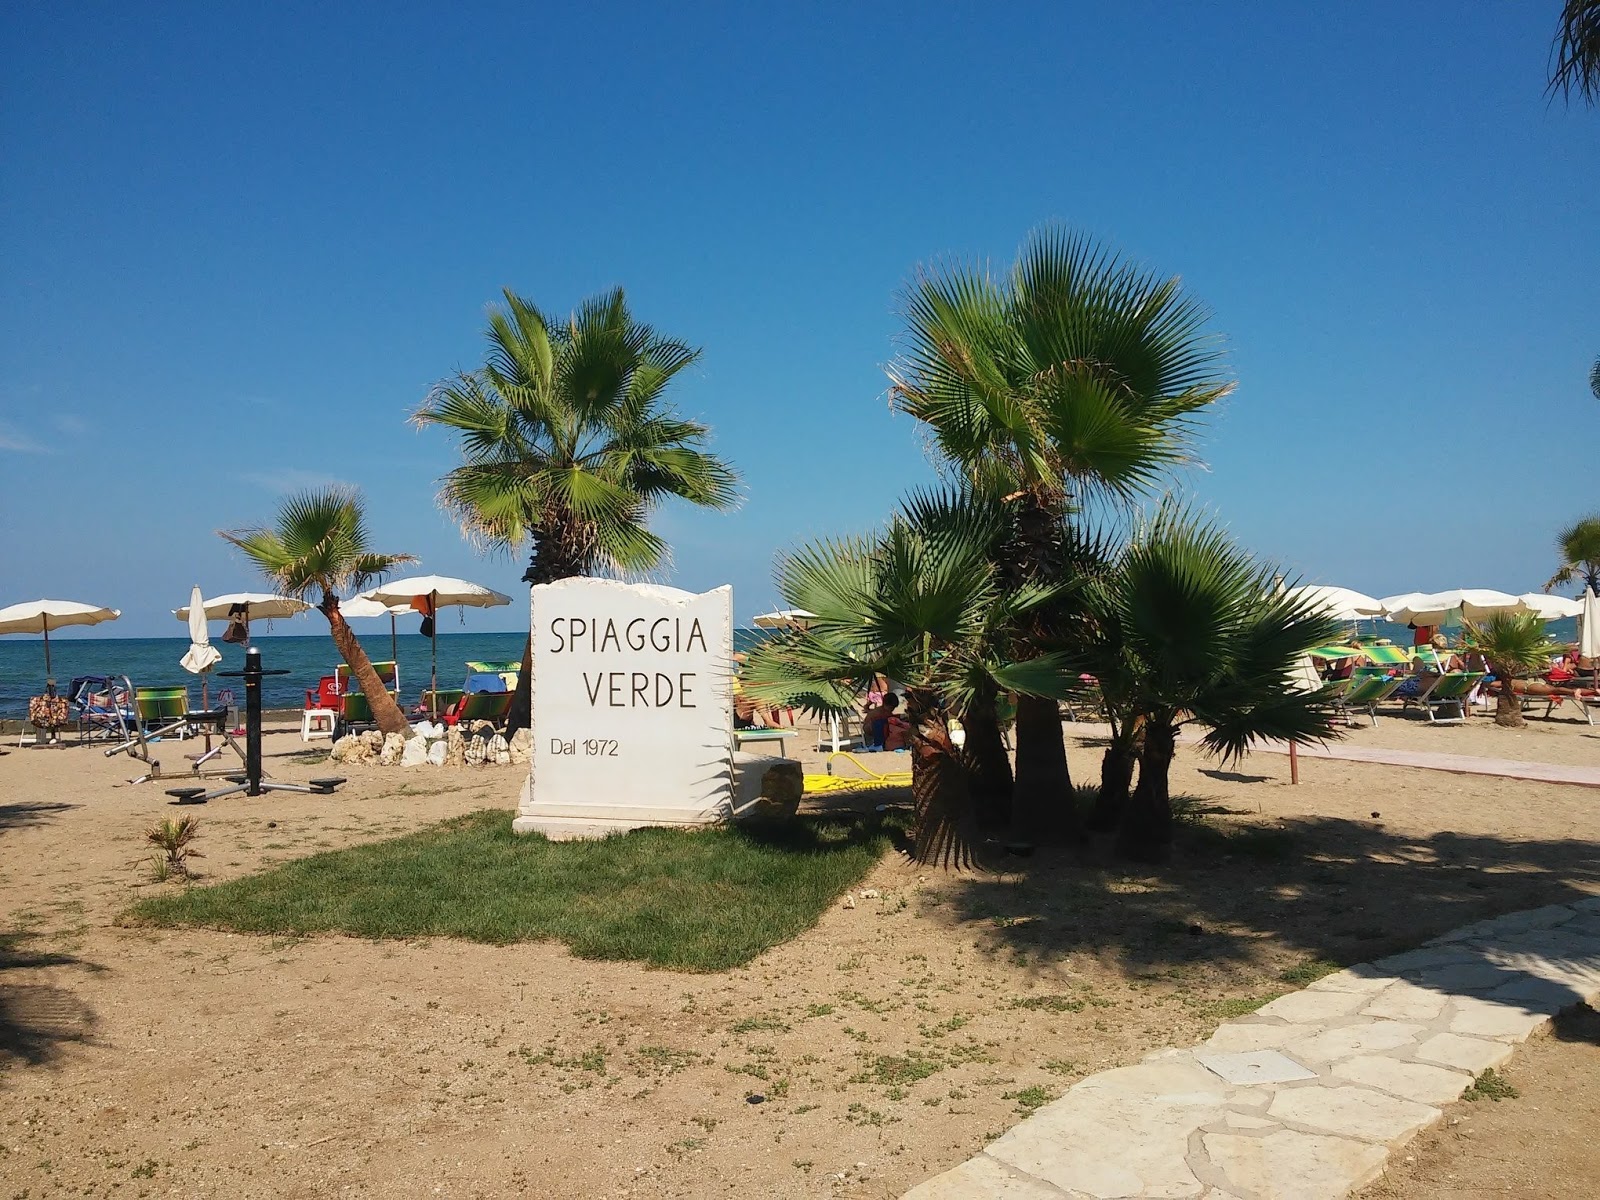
(1055, 1004)
(1309, 971)
(1029, 1099)
(1226, 1010)
(1491, 1086)
(692, 900)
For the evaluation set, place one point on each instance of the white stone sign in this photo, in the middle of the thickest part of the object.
(632, 708)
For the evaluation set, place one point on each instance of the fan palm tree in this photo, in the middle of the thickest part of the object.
(568, 446)
(1575, 54)
(317, 548)
(1579, 547)
(1188, 627)
(1078, 374)
(924, 604)
(1515, 646)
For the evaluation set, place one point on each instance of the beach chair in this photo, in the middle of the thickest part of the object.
(103, 706)
(1450, 691)
(159, 711)
(508, 671)
(492, 707)
(1365, 692)
(388, 675)
(355, 715)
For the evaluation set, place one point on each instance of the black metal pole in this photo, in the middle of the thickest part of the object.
(252, 720)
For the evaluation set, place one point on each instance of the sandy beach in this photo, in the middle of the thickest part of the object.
(889, 1042)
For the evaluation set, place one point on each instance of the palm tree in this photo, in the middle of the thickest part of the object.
(1188, 627)
(1579, 548)
(1078, 374)
(924, 604)
(568, 447)
(1575, 54)
(318, 547)
(1515, 646)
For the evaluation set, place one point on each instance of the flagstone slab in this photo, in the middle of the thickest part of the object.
(1346, 1041)
(1294, 1166)
(1354, 1112)
(1306, 1007)
(1362, 978)
(1242, 1036)
(1479, 976)
(1408, 1080)
(983, 1176)
(1487, 1018)
(1257, 1066)
(1465, 1053)
(1406, 1002)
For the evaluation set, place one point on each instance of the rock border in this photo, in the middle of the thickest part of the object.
(1308, 1096)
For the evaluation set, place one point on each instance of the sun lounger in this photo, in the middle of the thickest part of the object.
(1366, 692)
(1449, 691)
(741, 736)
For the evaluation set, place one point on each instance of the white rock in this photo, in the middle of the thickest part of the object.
(455, 748)
(415, 752)
(394, 746)
(428, 729)
(473, 754)
(499, 750)
(437, 752)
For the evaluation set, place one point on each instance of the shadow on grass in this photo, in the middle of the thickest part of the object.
(698, 900)
(1330, 891)
(38, 1019)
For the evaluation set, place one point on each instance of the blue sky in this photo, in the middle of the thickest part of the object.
(239, 243)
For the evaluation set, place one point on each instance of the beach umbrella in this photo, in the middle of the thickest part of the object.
(1341, 604)
(1438, 608)
(1549, 608)
(1589, 631)
(364, 606)
(784, 618)
(256, 606)
(427, 594)
(41, 616)
(201, 655)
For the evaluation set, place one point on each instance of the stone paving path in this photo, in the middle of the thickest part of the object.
(1461, 764)
(1306, 1097)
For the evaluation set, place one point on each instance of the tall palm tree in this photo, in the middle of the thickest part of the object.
(568, 446)
(1188, 627)
(316, 549)
(1575, 54)
(925, 605)
(1516, 646)
(1579, 548)
(1077, 374)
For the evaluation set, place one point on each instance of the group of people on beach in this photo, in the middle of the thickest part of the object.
(883, 725)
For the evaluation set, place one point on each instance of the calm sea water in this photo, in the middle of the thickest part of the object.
(153, 662)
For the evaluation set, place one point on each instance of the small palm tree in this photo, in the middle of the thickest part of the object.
(924, 605)
(173, 840)
(568, 445)
(1579, 548)
(1077, 374)
(1188, 627)
(1516, 646)
(1575, 54)
(317, 548)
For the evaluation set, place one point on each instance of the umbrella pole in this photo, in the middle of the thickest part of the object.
(394, 655)
(433, 679)
(49, 677)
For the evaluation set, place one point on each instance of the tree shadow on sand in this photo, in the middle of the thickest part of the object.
(1326, 890)
(38, 1018)
(30, 812)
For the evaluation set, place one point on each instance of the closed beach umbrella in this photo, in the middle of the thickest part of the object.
(41, 616)
(428, 594)
(202, 655)
(1589, 631)
(1549, 608)
(784, 618)
(1341, 604)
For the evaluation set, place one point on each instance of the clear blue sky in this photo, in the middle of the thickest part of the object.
(239, 242)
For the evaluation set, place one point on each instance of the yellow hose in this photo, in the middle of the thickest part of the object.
(816, 784)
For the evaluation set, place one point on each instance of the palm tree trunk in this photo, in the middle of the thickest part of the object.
(1507, 708)
(1116, 777)
(384, 709)
(940, 794)
(1042, 801)
(1146, 833)
(988, 767)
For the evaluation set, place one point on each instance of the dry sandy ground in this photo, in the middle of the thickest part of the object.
(890, 1041)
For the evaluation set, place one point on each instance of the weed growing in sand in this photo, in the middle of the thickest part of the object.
(173, 841)
(1030, 1098)
(1490, 1085)
(696, 900)
(1309, 971)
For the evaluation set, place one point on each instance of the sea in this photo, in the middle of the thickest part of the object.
(154, 662)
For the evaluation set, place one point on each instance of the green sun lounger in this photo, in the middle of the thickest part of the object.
(1450, 691)
(1366, 692)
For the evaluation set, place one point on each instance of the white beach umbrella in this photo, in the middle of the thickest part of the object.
(784, 618)
(1438, 608)
(255, 606)
(363, 605)
(1589, 626)
(1342, 604)
(201, 655)
(41, 616)
(440, 591)
(1549, 608)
